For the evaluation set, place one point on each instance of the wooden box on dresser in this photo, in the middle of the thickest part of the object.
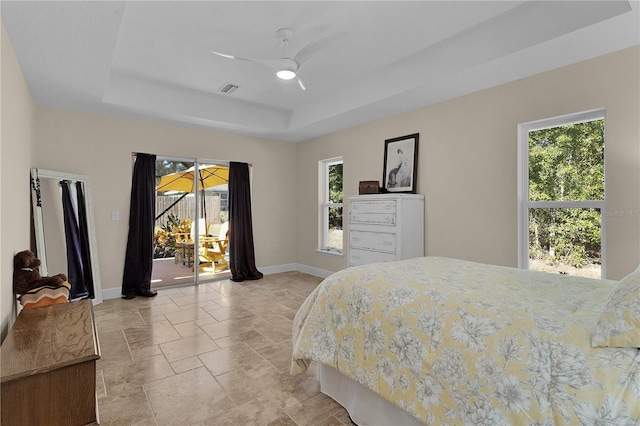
(385, 227)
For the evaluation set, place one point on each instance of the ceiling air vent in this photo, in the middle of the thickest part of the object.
(228, 88)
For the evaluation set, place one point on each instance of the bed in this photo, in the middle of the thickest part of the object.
(444, 341)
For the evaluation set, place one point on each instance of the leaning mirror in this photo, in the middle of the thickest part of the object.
(65, 230)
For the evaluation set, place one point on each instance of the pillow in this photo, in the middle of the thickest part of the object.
(45, 296)
(619, 325)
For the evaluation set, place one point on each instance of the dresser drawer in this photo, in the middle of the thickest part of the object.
(381, 212)
(382, 241)
(383, 206)
(363, 257)
(373, 218)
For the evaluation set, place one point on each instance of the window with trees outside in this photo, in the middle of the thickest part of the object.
(331, 206)
(561, 193)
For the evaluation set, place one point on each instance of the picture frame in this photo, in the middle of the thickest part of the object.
(401, 164)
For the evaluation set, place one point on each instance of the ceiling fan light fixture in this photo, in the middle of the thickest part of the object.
(287, 70)
(286, 74)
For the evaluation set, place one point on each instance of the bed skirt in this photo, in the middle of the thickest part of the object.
(365, 407)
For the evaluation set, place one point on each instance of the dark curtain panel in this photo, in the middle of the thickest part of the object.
(75, 272)
(83, 234)
(242, 257)
(138, 263)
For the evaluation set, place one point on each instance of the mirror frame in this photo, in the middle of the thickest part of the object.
(38, 223)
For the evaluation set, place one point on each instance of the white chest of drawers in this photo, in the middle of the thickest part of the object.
(385, 227)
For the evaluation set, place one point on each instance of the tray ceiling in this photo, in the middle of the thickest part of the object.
(153, 60)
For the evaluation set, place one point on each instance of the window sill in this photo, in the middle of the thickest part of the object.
(330, 252)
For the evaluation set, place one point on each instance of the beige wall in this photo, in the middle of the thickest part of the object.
(101, 147)
(17, 121)
(468, 166)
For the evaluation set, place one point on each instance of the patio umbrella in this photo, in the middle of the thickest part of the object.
(208, 177)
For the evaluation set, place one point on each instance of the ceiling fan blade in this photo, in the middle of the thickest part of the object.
(270, 63)
(224, 55)
(315, 46)
(301, 83)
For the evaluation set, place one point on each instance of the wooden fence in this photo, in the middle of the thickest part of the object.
(185, 209)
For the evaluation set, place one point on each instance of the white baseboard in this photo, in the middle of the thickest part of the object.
(276, 269)
(115, 293)
(111, 293)
(317, 272)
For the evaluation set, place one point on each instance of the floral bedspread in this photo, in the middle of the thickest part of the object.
(456, 342)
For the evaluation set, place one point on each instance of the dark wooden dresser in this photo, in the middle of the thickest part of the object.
(48, 367)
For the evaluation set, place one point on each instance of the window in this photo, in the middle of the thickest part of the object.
(331, 206)
(561, 193)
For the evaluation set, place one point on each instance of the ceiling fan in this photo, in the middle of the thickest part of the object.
(287, 67)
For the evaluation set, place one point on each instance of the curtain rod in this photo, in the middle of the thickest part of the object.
(199, 160)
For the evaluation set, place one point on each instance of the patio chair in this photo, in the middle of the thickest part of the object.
(181, 239)
(216, 248)
(185, 243)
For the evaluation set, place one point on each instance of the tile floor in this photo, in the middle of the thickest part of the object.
(213, 354)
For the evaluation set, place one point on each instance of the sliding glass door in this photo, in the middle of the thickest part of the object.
(191, 221)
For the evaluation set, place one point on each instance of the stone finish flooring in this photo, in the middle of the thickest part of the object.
(214, 354)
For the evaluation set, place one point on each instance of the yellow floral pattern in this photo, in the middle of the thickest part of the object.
(455, 342)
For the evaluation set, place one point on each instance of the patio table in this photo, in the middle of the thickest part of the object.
(187, 252)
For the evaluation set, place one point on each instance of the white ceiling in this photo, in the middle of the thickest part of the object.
(153, 60)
